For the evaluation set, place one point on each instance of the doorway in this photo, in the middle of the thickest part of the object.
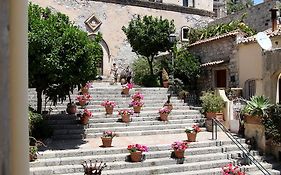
(220, 78)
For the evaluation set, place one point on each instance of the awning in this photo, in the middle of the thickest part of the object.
(212, 63)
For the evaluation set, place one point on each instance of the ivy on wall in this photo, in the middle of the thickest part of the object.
(219, 29)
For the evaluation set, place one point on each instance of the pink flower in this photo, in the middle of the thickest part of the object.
(136, 103)
(179, 145)
(87, 113)
(164, 110)
(229, 169)
(125, 112)
(108, 103)
(137, 147)
(137, 95)
(84, 97)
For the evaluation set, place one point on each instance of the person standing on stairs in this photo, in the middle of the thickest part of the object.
(114, 72)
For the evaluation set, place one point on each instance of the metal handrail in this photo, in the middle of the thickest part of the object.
(216, 123)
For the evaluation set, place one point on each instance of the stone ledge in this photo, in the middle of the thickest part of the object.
(160, 6)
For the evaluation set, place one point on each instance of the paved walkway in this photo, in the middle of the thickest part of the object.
(125, 141)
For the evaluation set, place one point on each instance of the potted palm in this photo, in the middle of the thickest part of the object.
(255, 109)
(107, 138)
(109, 105)
(179, 148)
(191, 133)
(212, 105)
(136, 151)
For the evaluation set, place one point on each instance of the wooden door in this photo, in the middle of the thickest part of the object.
(221, 78)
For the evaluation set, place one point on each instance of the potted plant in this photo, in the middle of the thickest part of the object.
(136, 105)
(164, 112)
(33, 148)
(179, 148)
(165, 78)
(84, 118)
(230, 169)
(126, 88)
(85, 88)
(212, 105)
(126, 115)
(137, 96)
(71, 108)
(191, 132)
(109, 105)
(83, 99)
(107, 138)
(136, 151)
(255, 109)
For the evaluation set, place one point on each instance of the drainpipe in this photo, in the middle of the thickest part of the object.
(274, 18)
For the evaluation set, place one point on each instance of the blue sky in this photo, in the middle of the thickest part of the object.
(258, 1)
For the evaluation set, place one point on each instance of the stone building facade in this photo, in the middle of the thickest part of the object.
(258, 17)
(217, 56)
(108, 17)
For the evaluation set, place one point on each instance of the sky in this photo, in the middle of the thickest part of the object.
(258, 1)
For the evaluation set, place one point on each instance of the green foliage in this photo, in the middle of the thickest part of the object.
(258, 106)
(61, 56)
(148, 36)
(219, 29)
(235, 6)
(38, 127)
(142, 73)
(272, 124)
(211, 102)
(187, 67)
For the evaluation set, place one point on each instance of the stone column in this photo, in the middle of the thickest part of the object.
(14, 87)
(4, 113)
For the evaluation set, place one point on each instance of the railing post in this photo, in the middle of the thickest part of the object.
(213, 129)
(216, 126)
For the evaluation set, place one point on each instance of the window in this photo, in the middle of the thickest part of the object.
(250, 88)
(184, 33)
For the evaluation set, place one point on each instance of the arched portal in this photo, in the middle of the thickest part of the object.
(278, 91)
(104, 65)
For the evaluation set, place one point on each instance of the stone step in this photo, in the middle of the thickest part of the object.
(139, 128)
(118, 150)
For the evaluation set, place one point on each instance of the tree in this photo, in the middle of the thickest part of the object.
(238, 5)
(149, 36)
(61, 56)
(187, 67)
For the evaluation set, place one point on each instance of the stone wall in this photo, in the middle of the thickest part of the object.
(271, 72)
(258, 17)
(115, 15)
(215, 50)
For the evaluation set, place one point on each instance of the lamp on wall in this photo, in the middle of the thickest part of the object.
(172, 40)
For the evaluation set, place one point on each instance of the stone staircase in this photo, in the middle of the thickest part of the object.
(202, 157)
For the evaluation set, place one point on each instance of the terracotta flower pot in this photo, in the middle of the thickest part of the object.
(137, 109)
(164, 116)
(32, 157)
(210, 115)
(71, 109)
(125, 91)
(136, 156)
(169, 106)
(179, 154)
(253, 119)
(109, 109)
(191, 137)
(106, 141)
(84, 119)
(126, 118)
(165, 84)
